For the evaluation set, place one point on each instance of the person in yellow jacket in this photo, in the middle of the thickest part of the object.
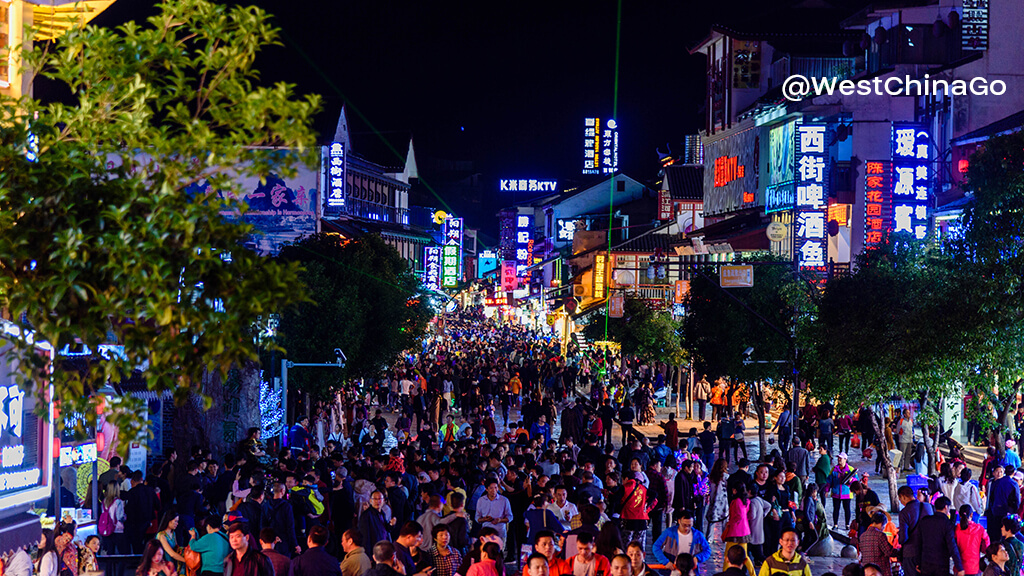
(786, 560)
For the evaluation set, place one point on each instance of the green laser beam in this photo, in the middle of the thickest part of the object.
(359, 113)
(611, 184)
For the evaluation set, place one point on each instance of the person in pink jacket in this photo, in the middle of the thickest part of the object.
(972, 540)
(737, 527)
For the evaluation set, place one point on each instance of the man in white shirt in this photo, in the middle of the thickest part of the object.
(562, 508)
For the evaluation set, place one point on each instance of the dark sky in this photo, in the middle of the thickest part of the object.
(503, 84)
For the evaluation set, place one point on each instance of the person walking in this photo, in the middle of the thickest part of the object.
(905, 438)
(356, 562)
(875, 547)
(935, 543)
(839, 481)
(701, 393)
(972, 540)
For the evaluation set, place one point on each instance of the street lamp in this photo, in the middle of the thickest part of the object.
(339, 362)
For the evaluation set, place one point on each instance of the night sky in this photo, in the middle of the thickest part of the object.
(505, 85)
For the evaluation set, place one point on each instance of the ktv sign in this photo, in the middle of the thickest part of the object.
(531, 185)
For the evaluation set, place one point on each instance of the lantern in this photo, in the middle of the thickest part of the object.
(953, 20)
(881, 35)
(939, 28)
(865, 41)
(101, 441)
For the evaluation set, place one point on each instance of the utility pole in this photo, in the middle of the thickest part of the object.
(285, 365)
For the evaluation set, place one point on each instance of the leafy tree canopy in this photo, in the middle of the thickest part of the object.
(366, 302)
(642, 331)
(98, 241)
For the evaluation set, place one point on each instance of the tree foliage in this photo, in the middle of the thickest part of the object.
(642, 332)
(990, 253)
(365, 301)
(718, 329)
(98, 241)
(892, 328)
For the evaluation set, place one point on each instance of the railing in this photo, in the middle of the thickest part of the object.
(651, 292)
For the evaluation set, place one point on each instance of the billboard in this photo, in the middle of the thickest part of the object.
(600, 146)
(811, 196)
(736, 276)
(730, 172)
(780, 153)
(910, 163)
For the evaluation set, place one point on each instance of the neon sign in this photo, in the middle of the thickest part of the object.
(527, 185)
(432, 267)
(727, 169)
(600, 146)
(336, 175)
(811, 196)
(910, 163)
(877, 202)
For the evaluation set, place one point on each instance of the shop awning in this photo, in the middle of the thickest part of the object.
(19, 531)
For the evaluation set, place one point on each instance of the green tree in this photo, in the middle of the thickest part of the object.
(642, 331)
(366, 301)
(990, 255)
(719, 327)
(893, 328)
(99, 242)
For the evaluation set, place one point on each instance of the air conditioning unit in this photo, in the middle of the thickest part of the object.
(579, 290)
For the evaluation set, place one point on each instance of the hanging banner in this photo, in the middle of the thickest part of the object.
(616, 305)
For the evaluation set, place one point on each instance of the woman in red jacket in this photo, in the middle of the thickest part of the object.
(635, 510)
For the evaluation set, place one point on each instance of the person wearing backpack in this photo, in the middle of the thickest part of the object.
(111, 522)
(212, 547)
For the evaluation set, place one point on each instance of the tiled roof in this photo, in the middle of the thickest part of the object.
(685, 182)
(1012, 123)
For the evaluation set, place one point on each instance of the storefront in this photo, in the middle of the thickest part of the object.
(26, 462)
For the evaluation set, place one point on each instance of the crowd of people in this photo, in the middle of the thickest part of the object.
(487, 451)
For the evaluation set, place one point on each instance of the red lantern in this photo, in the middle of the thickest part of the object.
(963, 165)
(56, 446)
(101, 441)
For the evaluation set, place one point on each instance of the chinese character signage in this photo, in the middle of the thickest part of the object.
(453, 237)
(616, 305)
(566, 229)
(527, 185)
(910, 163)
(600, 146)
(974, 25)
(600, 274)
(811, 196)
(507, 234)
(509, 280)
(26, 458)
(877, 202)
(736, 276)
(335, 178)
(682, 288)
(432, 267)
(524, 242)
(449, 266)
(664, 205)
